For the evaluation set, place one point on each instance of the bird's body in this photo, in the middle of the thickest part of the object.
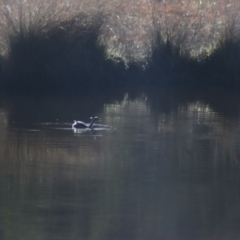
(83, 125)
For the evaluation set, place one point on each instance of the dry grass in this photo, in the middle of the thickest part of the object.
(129, 31)
(22, 19)
(134, 28)
(198, 28)
(129, 28)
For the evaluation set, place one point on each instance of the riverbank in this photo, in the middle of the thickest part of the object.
(66, 44)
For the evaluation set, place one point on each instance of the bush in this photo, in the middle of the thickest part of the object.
(67, 43)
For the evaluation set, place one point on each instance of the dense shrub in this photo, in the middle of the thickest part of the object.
(59, 42)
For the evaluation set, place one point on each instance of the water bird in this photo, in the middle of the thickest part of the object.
(83, 125)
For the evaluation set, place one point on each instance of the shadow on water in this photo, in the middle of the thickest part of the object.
(160, 164)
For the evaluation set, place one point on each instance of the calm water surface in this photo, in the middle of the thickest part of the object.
(159, 165)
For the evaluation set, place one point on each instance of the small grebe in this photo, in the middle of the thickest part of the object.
(79, 124)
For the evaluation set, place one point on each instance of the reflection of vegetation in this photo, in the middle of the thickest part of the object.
(203, 147)
(3, 124)
(168, 170)
(59, 43)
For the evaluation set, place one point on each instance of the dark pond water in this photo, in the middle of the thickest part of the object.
(160, 165)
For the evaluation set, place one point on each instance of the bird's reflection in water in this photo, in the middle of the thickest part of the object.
(86, 132)
(94, 132)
